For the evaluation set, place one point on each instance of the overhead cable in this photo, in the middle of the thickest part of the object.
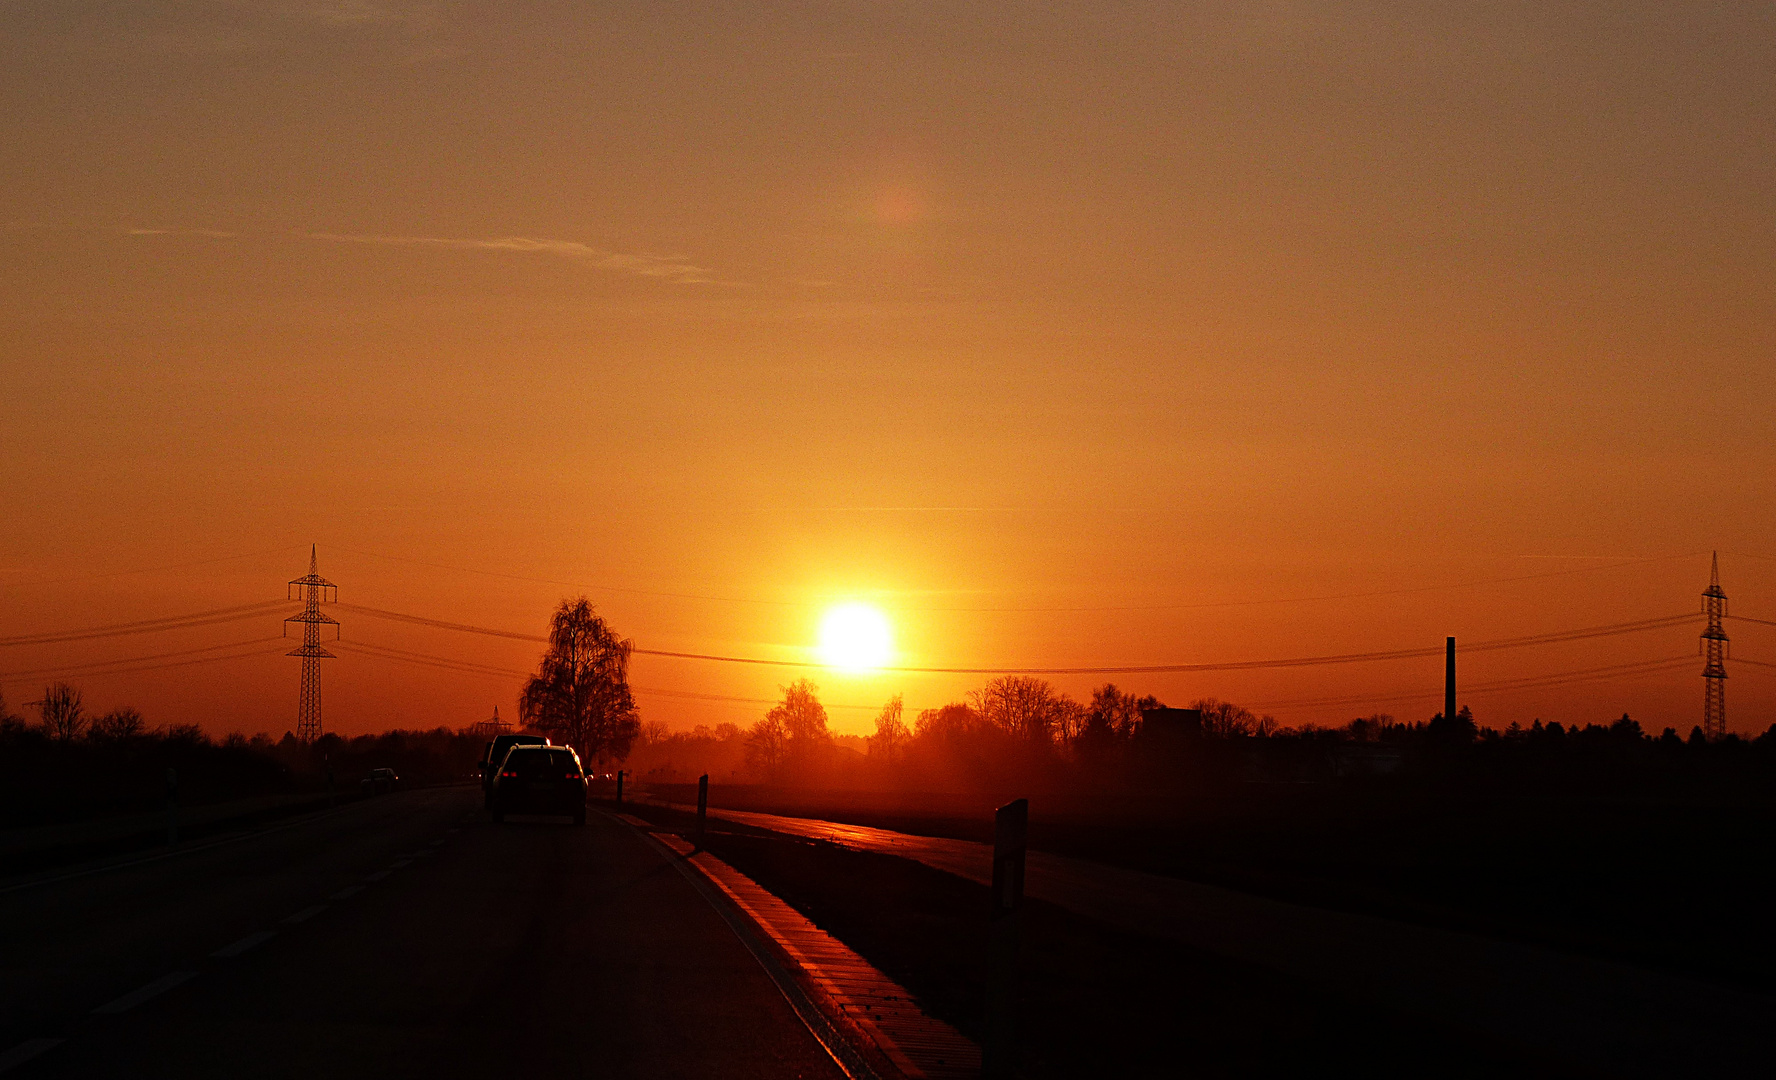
(1609, 630)
(1191, 606)
(69, 669)
(448, 663)
(1748, 618)
(148, 626)
(1527, 682)
(160, 569)
(52, 673)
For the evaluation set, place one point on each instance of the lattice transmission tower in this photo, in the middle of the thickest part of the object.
(316, 590)
(1714, 645)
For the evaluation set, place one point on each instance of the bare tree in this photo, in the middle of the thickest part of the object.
(580, 694)
(957, 720)
(804, 723)
(767, 746)
(121, 723)
(889, 741)
(1224, 718)
(1027, 708)
(803, 714)
(63, 712)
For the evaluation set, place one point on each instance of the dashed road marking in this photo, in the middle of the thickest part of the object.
(306, 913)
(25, 1051)
(241, 946)
(438, 843)
(152, 990)
(378, 876)
(347, 893)
(398, 863)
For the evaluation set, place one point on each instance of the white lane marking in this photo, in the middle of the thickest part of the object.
(241, 946)
(438, 843)
(347, 893)
(306, 913)
(152, 990)
(398, 863)
(378, 876)
(25, 1051)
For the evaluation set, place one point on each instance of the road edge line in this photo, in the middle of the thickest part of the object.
(843, 1054)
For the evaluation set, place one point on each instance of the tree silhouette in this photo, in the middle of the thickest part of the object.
(63, 712)
(124, 722)
(580, 694)
(804, 718)
(767, 745)
(1224, 718)
(1025, 707)
(889, 741)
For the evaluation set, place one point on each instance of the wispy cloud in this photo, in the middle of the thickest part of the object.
(663, 267)
(213, 234)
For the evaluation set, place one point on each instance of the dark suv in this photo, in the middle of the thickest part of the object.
(496, 756)
(540, 780)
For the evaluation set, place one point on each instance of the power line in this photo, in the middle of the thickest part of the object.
(149, 626)
(69, 669)
(145, 570)
(1527, 682)
(1194, 606)
(1610, 630)
(574, 584)
(157, 667)
(383, 652)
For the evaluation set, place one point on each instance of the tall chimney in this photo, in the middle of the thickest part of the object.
(1449, 683)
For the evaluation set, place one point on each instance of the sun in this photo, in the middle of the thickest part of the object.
(855, 637)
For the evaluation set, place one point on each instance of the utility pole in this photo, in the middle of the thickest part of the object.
(1714, 645)
(316, 590)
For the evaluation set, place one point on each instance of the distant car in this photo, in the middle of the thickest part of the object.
(379, 781)
(540, 780)
(496, 756)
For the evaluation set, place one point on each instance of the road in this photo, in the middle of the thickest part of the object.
(1582, 1013)
(397, 936)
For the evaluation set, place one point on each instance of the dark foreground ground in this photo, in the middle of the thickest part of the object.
(1093, 1000)
(1668, 883)
(535, 949)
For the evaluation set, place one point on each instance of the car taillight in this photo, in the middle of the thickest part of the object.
(509, 774)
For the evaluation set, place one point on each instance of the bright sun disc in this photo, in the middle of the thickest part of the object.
(854, 637)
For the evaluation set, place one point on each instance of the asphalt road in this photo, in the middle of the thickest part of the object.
(1578, 1013)
(397, 936)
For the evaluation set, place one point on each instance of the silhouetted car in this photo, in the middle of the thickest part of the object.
(496, 756)
(379, 781)
(540, 780)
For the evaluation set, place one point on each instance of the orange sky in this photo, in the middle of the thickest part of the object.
(951, 307)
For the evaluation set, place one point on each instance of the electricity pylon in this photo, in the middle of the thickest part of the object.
(1714, 643)
(316, 590)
